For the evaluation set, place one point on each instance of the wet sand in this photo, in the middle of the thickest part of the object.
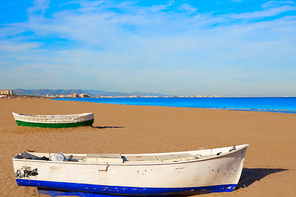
(270, 164)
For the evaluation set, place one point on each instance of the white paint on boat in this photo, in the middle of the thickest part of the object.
(71, 118)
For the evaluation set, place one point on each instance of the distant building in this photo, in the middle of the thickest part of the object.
(74, 95)
(84, 95)
(49, 95)
(6, 92)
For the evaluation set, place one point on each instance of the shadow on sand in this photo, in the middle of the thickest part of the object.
(250, 175)
(107, 127)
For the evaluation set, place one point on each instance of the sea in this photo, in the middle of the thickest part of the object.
(260, 104)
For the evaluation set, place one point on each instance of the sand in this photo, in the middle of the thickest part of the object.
(270, 164)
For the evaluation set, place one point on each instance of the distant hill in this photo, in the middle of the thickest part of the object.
(44, 92)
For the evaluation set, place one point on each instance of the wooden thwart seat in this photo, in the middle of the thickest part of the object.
(176, 157)
(104, 158)
(158, 158)
(140, 159)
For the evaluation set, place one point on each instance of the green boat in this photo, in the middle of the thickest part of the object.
(54, 121)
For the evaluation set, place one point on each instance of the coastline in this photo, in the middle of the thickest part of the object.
(269, 168)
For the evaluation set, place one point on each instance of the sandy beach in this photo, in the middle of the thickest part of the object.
(270, 164)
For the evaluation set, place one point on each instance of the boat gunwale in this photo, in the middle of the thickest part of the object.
(52, 114)
(215, 156)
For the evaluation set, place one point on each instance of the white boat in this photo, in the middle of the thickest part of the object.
(54, 121)
(156, 174)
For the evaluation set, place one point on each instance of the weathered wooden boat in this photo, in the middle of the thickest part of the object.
(54, 121)
(157, 174)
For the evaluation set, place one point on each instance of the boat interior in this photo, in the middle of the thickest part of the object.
(127, 158)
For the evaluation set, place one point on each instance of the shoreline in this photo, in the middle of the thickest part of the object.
(269, 168)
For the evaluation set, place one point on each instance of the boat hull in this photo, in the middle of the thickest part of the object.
(54, 121)
(63, 187)
(54, 125)
(213, 174)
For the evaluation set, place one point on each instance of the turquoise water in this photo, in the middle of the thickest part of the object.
(267, 104)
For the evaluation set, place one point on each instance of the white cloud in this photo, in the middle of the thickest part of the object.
(186, 7)
(39, 5)
(90, 6)
(18, 47)
(262, 14)
(276, 3)
(158, 8)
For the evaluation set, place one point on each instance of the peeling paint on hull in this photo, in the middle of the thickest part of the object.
(54, 125)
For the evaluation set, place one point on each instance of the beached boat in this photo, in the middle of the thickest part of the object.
(54, 121)
(157, 174)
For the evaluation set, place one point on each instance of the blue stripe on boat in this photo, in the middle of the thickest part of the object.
(82, 189)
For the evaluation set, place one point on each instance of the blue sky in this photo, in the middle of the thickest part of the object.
(194, 47)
